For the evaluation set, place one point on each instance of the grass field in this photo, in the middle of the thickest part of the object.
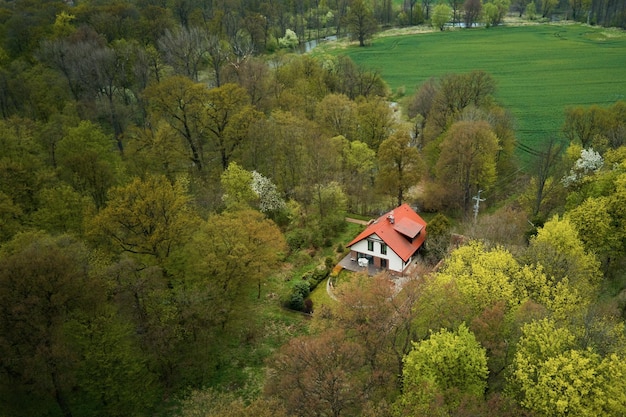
(540, 69)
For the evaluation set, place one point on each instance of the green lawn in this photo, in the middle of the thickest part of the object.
(540, 70)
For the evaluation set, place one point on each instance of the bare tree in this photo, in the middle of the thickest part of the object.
(185, 50)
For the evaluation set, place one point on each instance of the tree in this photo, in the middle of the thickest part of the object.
(558, 248)
(44, 282)
(399, 165)
(357, 165)
(62, 210)
(455, 5)
(150, 217)
(209, 403)
(441, 16)
(88, 161)
(472, 9)
(547, 6)
(455, 93)
(553, 377)
(112, 365)
(237, 185)
(452, 364)
(439, 235)
(231, 254)
(158, 150)
(360, 21)
(379, 317)
(548, 170)
(337, 115)
(319, 375)
(185, 50)
(467, 162)
(595, 225)
(494, 11)
(178, 101)
(228, 115)
(376, 121)
(426, 4)
(484, 277)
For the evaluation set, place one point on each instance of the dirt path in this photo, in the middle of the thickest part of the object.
(356, 221)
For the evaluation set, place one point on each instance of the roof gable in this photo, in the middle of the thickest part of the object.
(402, 230)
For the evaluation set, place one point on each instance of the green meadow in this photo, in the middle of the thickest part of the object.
(540, 69)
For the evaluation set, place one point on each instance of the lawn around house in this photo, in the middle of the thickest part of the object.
(540, 70)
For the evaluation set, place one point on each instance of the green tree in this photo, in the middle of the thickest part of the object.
(439, 236)
(399, 165)
(360, 21)
(484, 277)
(358, 161)
(62, 210)
(376, 121)
(441, 16)
(467, 162)
(88, 160)
(452, 364)
(44, 282)
(156, 151)
(112, 365)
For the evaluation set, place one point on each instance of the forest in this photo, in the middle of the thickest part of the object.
(174, 182)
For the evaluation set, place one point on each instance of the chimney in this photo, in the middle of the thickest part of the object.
(390, 217)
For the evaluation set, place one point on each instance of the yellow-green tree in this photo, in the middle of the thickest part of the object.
(449, 363)
(552, 376)
(558, 248)
(231, 255)
(150, 217)
(237, 185)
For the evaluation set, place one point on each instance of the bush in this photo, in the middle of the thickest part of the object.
(299, 293)
(315, 277)
(296, 302)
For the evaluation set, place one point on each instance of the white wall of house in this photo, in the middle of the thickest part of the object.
(393, 260)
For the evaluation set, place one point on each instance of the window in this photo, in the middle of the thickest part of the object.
(383, 263)
(383, 248)
(370, 245)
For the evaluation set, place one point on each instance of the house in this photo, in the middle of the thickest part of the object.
(391, 241)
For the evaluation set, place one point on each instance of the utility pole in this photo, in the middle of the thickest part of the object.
(477, 205)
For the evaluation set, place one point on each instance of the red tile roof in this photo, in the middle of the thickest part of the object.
(397, 234)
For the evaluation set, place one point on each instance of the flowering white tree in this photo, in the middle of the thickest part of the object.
(269, 197)
(589, 162)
